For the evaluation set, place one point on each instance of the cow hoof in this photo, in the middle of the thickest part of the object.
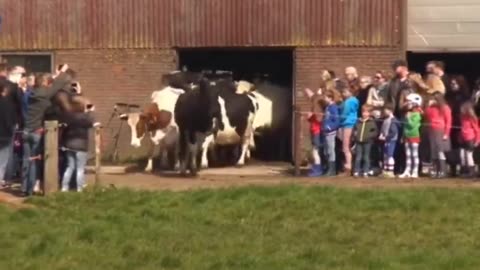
(204, 166)
(240, 165)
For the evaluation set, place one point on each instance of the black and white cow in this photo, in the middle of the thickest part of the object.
(272, 120)
(213, 114)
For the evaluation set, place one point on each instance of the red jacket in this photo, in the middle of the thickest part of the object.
(439, 119)
(470, 129)
(315, 124)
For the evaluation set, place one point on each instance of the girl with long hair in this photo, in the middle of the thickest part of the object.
(439, 123)
(470, 138)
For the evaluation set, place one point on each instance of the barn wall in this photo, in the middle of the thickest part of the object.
(111, 76)
(81, 24)
(309, 62)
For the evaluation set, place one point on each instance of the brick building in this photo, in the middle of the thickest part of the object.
(121, 47)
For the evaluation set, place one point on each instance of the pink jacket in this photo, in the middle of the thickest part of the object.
(470, 129)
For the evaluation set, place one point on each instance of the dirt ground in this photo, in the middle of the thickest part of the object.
(262, 175)
(175, 183)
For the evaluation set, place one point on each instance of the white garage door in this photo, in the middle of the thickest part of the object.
(444, 25)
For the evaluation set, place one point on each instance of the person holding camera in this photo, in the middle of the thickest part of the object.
(75, 141)
(39, 101)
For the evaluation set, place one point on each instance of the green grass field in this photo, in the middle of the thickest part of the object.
(248, 228)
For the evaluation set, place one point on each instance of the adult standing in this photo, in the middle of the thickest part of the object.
(457, 94)
(381, 81)
(75, 140)
(348, 119)
(40, 100)
(399, 87)
(10, 114)
(351, 75)
(438, 68)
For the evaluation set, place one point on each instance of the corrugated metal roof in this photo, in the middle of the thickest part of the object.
(51, 24)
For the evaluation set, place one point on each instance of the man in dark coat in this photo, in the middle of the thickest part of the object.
(10, 114)
(39, 102)
(398, 87)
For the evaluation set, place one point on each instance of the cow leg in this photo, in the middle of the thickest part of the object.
(205, 146)
(192, 160)
(252, 141)
(149, 167)
(182, 152)
(172, 154)
(164, 156)
(241, 160)
(195, 140)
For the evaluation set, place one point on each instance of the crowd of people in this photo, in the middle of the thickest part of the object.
(26, 102)
(404, 125)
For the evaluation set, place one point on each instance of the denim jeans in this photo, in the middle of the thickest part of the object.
(31, 148)
(76, 162)
(362, 155)
(316, 149)
(389, 149)
(5, 152)
(329, 148)
(13, 163)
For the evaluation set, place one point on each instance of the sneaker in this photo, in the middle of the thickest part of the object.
(316, 171)
(356, 175)
(79, 190)
(405, 175)
(366, 175)
(64, 190)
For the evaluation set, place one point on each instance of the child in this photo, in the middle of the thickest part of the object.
(411, 135)
(470, 138)
(366, 132)
(348, 119)
(331, 122)
(389, 135)
(315, 128)
(439, 118)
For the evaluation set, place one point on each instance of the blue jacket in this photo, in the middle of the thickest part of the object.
(349, 115)
(331, 119)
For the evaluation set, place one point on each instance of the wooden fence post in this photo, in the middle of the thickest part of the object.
(98, 154)
(50, 173)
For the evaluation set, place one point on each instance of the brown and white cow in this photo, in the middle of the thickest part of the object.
(156, 121)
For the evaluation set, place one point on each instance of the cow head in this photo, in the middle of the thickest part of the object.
(150, 120)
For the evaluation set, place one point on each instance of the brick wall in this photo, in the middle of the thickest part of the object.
(111, 76)
(309, 62)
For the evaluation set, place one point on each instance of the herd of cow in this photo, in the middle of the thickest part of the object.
(197, 112)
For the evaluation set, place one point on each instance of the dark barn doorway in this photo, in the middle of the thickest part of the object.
(245, 64)
(467, 64)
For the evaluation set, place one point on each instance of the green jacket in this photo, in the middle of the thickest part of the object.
(366, 131)
(413, 122)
